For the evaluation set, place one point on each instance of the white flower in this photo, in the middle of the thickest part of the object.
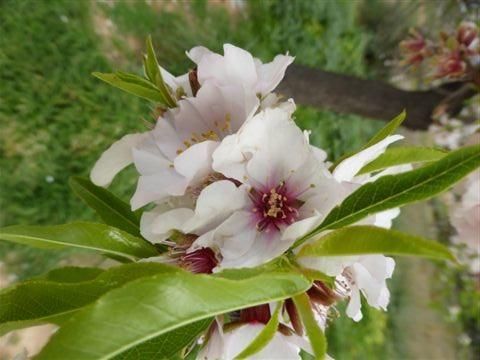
(465, 218)
(285, 192)
(361, 274)
(227, 344)
(238, 66)
(176, 154)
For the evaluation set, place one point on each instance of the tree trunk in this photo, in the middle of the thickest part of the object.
(371, 98)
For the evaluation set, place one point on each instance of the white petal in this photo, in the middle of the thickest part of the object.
(301, 228)
(240, 66)
(148, 158)
(195, 163)
(330, 265)
(215, 204)
(114, 159)
(384, 219)
(176, 83)
(280, 347)
(174, 219)
(157, 187)
(348, 168)
(354, 306)
(229, 160)
(272, 73)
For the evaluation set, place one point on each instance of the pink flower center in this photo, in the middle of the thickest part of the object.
(201, 261)
(274, 208)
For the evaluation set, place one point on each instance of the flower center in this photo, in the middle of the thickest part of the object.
(201, 261)
(274, 208)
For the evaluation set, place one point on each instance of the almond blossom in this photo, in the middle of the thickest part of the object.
(276, 193)
(365, 274)
(228, 341)
(176, 154)
(238, 66)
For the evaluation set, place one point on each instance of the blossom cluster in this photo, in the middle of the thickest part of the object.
(230, 181)
(453, 56)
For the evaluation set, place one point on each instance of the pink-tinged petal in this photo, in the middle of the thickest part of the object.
(197, 53)
(157, 187)
(195, 163)
(215, 204)
(270, 74)
(348, 168)
(115, 159)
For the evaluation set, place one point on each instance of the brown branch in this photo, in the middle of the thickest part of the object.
(370, 98)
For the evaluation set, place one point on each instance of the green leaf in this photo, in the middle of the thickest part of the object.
(264, 337)
(150, 307)
(152, 69)
(110, 208)
(314, 333)
(168, 345)
(45, 300)
(397, 190)
(82, 235)
(401, 156)
(358, 240)
(72, 274)
(387, 130)
(133, 84)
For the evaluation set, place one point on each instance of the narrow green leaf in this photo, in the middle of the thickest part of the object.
(40, 301)
(83, 235)
(359, 240)
(168, 345)
(110, 208)
(150, 307)
(403, 155)
(264, 337)
(152, 69)
(314, 333)
(133, 84)
(387, 130)
(397, 190)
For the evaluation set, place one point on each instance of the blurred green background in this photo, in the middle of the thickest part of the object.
(56, 119)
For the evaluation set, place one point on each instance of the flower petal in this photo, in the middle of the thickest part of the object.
(157, 187)
(157, 225)
(114, 159)
(270, 74)
(348, 168)
(195, 163)
(215, 204)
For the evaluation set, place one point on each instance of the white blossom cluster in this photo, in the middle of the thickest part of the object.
(232, 182)
(451, 133)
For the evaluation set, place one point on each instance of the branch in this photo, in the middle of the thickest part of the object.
(371, 98)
